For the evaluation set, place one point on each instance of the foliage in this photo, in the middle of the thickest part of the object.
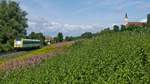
(111, 58)
(116, 28)
(136, 28)
(96, 34)
(148, 20)
(69, 38)
(106, 30)
(123, 28)
(38, 36)
(72, 38)
(13, 23)
(59, 37)
(86, 35)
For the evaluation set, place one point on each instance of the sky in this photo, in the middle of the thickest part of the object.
(74, 17)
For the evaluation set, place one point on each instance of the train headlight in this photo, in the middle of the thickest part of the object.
(18, 42)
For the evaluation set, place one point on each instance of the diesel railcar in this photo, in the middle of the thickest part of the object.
(26, 43)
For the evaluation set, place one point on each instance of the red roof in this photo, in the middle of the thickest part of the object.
(141, 24)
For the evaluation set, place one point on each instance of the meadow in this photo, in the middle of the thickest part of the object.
(110, 58)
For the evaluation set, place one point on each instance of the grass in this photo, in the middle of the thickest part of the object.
(29, 54)
(112, 58)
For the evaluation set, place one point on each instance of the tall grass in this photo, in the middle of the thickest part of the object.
(113, 58)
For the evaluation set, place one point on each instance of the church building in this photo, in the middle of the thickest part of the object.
(127, 23)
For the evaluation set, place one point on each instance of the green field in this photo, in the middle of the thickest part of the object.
(112, 58)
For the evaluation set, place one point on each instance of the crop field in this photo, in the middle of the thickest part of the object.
(112, 58)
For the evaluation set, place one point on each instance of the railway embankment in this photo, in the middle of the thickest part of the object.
(32, 58)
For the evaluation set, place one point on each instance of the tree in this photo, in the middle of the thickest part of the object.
(87, 35)
(148, 20)
(123, 27)
(13, 22)
(106, 29)
(55, 40)
(116, 28)
(60, 37)
(38, 36)
(32, 35)
(69, 38)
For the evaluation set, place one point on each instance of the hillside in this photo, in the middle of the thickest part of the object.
(109, 58)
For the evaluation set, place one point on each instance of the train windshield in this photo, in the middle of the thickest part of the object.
(18, 39)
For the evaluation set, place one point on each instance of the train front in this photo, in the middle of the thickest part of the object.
(17, 43)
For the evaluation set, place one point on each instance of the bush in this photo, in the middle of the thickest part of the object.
(69, 38)
(6, 47)
(87, 35)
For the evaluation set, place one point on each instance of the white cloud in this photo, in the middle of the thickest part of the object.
(31, 23)
(143, 20)
(52, 28)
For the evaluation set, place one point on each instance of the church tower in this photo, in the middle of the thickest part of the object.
(126, 19)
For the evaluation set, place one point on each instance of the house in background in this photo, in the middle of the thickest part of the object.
(127, 23)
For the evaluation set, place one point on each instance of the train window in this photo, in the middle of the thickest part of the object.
(31, 42)
(18, 39)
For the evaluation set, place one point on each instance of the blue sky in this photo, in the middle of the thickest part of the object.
(73, 17)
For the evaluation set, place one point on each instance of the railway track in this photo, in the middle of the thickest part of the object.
(10, 54)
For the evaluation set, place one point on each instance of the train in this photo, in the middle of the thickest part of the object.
(27, 43)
